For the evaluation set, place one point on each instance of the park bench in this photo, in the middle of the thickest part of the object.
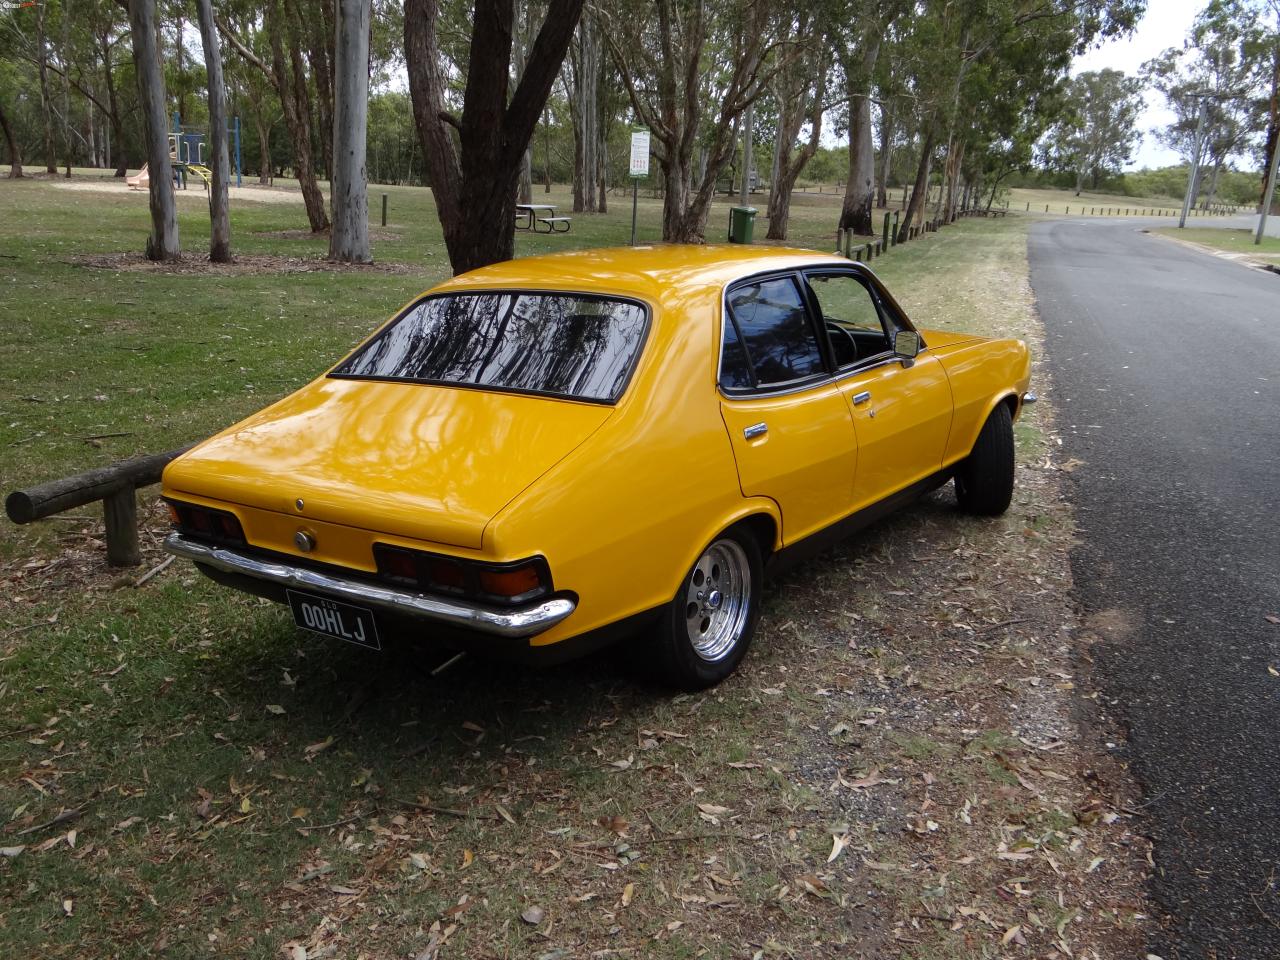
(554, 224)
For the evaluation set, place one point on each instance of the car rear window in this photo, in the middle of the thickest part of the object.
(564, 345)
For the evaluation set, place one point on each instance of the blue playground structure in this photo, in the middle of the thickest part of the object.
(186, 152)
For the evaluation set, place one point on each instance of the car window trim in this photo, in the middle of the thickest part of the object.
(786, 386)
(641, 345)
(884, 301)
(838, 271)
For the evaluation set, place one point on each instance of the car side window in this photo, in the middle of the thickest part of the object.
(855, 324)
(769, 318)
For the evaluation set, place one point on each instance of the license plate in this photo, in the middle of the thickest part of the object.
(333, 619)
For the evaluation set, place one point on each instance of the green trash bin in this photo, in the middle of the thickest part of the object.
(742, 224)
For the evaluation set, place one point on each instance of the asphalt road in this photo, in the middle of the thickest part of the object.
(1166, 364)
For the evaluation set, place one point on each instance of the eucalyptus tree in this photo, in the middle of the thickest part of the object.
(800, 91)
(219, 214)
(686, 65)
(860, 48)
(163, 242)
(349, 240)
(15, 151)
(285, 28)
(1230, 68)
(1096, 132)
(474, 158)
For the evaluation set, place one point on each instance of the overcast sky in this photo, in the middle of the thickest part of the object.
(1165, 24)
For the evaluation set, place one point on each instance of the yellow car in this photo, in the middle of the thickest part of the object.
(545, 455)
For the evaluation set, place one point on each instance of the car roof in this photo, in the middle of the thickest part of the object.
(653, 273)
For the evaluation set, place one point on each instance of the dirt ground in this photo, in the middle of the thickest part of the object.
(195, 190)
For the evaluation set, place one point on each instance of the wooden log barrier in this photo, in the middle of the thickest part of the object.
(114, 485)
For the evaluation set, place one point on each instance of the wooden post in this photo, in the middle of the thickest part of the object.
(848, 242)
(893, 236)
(120, 510)
(384, 209)
(885, 242)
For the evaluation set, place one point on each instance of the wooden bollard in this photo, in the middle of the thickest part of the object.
(384, 209)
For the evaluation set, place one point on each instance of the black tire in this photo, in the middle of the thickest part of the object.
(690, 658)
(984, 479)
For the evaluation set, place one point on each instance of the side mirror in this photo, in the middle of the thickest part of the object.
(906, 345)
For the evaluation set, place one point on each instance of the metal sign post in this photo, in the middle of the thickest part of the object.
(639, 170)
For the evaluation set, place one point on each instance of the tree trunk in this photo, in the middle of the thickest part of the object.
(46, 103)
(219, 162)
(264, 148)
(349, 241)
(321, 55)
(163, 242)
(295, 102)
(921, 185)
(474, 180)
(602, 165)
(859, 191)
(15, 152)
(1079, 180)
(811, 91)
(117, 128)
(886, 157)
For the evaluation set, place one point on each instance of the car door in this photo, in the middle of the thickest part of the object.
(790, 426)
(901, 409)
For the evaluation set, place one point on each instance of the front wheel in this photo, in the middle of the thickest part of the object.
(984, 479)
(708, 626)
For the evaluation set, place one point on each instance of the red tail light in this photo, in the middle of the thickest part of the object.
(497, 583)
(205, 523)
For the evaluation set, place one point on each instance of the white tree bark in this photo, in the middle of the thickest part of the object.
(349, 240)
(163, 242)
(219, 162)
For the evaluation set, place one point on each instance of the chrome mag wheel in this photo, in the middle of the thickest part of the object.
(718, 600)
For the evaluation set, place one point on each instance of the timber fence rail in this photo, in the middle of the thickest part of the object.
(115, 485)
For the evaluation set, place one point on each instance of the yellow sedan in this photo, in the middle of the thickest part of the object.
(550, 454)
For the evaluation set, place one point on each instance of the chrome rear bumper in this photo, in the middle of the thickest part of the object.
(512, 623)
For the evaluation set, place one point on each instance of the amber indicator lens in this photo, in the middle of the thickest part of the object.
(398, 563)
(510, 583)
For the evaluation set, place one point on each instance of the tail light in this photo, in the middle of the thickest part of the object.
(205, 523)
(497, 583)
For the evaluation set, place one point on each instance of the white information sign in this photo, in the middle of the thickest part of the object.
(640, 153)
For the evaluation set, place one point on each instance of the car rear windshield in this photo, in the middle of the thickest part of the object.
(563, 345)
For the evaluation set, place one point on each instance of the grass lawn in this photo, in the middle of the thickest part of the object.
(1232, 241)
(894, 772)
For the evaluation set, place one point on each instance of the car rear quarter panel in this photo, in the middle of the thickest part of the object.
(623, 517)
(982, 374)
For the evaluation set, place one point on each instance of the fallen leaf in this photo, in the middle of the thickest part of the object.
(1013, 933)
(870, 780)
(468, 858)
(628, 892)
(1273, 671)
(68, 907)
(613, 824)
(1095, 863)
(10, 852)
(813, 884)
(320, 747)
(297, 952)
(712, 810)
(245, 805)
(1272, 618)
(623, 764)
(125, 824)
(343, 891)
(502, 812)
(744, 765)
(838, 843)
(533, 915)
(275, 708)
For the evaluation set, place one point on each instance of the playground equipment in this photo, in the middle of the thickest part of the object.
(186, 156)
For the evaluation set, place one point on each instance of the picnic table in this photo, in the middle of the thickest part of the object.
(529, 215)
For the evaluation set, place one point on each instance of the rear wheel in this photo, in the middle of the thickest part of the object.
(708, 625)
(984, 479)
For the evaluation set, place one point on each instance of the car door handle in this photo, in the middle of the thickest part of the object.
(755, 430)
(860, 398)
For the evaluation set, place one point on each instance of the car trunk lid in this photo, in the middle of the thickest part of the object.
(425, 462)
